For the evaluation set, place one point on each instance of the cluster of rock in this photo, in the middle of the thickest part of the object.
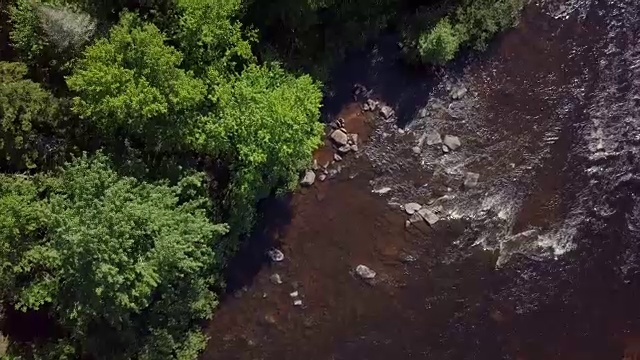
(449, 142)
(343, 143)
(420, 214)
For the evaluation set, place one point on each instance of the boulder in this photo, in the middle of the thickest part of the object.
(294, 294)
(371, 105)
(275, 255)
(458, 93)
(275, 279)
(434, 138)
(297, 302)
(354, 148)
(344, 149)
(386, 111)
(423, 113)
(315, 165)
(337, 157)
(364, 272)
(383, 190)
(416, 150)
(322, 177)
(471, 180)
(309, 178)
(339, 137)
(428, 216)
(445, 149)
(354, 138)
(411, 208)
(452, 142)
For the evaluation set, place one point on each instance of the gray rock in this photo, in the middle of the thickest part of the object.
(408, 258)
(411, 208)
(372, 104)
(471, 180)
(428, 216)
(434, 138)
(275, 255)
(276, 279)
(423, 113)
(344, 149)
(354, 148)
(452, 142)
(309, 178)
(339, 137)
(364, 272)
(322, 177)
(332, 173)
(354, 138)
(315, 165)
(383, 190)
(416, 150)
(337, 157)
(458, 93)
(445, 149)
(386, 111)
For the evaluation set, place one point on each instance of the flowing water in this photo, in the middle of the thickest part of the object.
(539, 261)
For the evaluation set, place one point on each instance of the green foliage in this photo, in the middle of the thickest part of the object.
(126, 266)
(439, 45)
(482, 19)
(131, 81)
(49, 31)
(473, 23)
(26, 112)
(267, 127)
(210, 39)
(314, 34)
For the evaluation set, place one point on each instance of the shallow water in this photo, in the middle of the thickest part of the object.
(539, 261)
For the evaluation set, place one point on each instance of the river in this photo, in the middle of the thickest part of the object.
(539, 261)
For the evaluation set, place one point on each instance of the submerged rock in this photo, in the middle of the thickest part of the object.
(452, 142)
(275, 279)
(411, 208)
(337, 157)
(294, 294)
(275, 255)
(471, 180)
(364, 272)
(297, 302)
(309, 178)
(344, 149)
(339, 137)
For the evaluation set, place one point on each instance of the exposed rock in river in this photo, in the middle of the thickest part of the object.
(386, 111)
(428, 216)
(411, 208)
(364, 272)
(434, 138)
(309, 178)
(275, 255)
(339, 137)
(452, 142)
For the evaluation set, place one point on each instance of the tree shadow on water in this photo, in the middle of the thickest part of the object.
(274, 217)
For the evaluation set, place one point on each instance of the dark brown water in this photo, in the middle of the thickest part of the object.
(538, 262)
